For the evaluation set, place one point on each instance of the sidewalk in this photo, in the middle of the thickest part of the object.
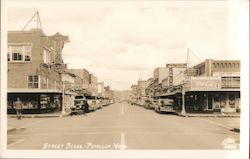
(44, 115)
(231, 115)
(13, 124)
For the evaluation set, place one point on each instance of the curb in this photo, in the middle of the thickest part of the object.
(39, 116)
(210, 116)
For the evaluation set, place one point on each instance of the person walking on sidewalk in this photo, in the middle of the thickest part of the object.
(19, 107)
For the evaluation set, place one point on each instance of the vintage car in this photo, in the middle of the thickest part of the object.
(165, 106)
(78, 106)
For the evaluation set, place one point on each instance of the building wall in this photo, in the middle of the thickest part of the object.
(84, 75)
(217, 67)
(178, 77)
(100, 88)
(18, 72)
(93, 84)
(161, 73)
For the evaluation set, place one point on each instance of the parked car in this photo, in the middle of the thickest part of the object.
(78, 106)
(151, 104)
(165, 106)
(94, 103)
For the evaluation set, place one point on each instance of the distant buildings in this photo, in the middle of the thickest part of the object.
(211, 86)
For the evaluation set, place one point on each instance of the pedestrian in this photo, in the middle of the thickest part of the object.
(18, 105)
(86, 107)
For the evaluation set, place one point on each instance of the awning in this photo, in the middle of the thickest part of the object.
(32, 90)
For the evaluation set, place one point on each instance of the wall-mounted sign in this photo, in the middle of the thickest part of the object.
(205, 83)
(176, 65)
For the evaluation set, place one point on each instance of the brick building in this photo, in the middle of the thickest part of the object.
(32, 74)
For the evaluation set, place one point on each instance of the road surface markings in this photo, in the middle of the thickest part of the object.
(108, 133)
(122, 111)
(123, 144)
(218, 124)
(17, 142)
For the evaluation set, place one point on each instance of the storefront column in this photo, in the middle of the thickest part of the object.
(183, 111)
(63, 99)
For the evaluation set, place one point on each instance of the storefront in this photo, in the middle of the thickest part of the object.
(205, 94)
(35, 101)
(213, 101)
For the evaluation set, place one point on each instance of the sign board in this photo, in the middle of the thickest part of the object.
(176, 65)
(205, 83)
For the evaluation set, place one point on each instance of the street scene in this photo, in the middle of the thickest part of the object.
(122, 126)
(123, 78)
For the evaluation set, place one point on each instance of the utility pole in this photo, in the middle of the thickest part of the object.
(183, 88)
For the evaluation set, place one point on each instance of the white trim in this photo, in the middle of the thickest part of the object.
(32, 90)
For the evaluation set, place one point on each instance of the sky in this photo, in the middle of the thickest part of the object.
(120, 44)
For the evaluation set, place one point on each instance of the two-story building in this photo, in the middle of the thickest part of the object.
(31, 75)
(214, 86)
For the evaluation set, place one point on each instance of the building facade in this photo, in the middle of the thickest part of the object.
(93, 84)
(31, 75)
(160, 73)
(215, 86)
(100, 89)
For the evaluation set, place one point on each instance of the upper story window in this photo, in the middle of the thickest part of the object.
(19, 53)
(33, 81)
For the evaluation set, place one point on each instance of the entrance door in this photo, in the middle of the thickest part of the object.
(209, 101)
(223, 102)
(216, 101)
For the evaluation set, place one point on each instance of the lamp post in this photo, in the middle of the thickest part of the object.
(63, 98)
(183, 110)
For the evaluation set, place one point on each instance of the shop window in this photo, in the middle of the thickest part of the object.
(30, 101)
(33, 81)
(216, 101)
(10, 105)
(19, 53)
(44, 101)
(231, 98)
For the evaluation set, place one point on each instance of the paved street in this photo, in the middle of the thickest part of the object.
(122, 126)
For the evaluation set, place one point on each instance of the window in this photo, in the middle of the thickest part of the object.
(230, 82)
(27, 53)
(19, 53)
(33, 81)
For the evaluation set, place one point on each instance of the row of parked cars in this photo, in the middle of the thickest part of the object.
(159, 105)
(86, 104)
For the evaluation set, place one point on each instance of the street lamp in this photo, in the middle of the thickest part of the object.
(183, 111)
(63, 98)
(183, 91)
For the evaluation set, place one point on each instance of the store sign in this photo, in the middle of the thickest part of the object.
(177, 65)
(205, 83)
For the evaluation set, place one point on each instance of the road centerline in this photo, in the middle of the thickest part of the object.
(122, 110)
(123, 144)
